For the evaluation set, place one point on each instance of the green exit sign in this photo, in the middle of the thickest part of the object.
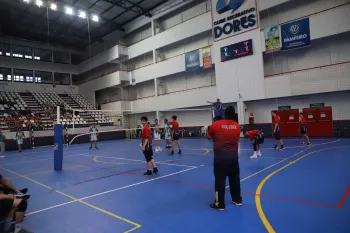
(284, 107)
(317, 105)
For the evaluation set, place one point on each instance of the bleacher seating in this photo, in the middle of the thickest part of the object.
(38, 109)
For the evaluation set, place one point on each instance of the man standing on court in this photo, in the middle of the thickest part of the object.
(218, 109)
(226, 134)
(276, 130)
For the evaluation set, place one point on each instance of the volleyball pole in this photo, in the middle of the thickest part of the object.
(58, 142)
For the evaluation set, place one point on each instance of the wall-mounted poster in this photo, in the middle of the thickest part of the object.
(206, 53)
(295, 34)
(272, 39)
(192, 60)
(237, 50)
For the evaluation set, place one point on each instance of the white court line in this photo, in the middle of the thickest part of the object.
(113, 190)
(136, 160)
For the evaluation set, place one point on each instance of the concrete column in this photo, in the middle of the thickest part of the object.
(154, 56)
(241, 112)
(155, 87)
(152, 26)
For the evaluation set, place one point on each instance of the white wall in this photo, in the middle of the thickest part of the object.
(182, 31)
(339, 101)
(242, 76)
(88, 89)
(187, 80)
(34, 87)
(189, 118)
(141, 90)
(189, 44)
(266, 4)
(26, 64)
(325, 51)
(137, 35)
(140, 61)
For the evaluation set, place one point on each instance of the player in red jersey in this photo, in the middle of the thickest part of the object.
(147, 147)
(175, 130)
(257, 138)
(276, 130)
(303, 129)
(226, 134)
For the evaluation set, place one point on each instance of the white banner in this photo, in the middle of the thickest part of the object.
(232, 17)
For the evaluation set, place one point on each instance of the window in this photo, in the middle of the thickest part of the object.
(77, 59)
(43, 77)
(5, 49)
(42, 55)
(62, 79)
(5, 74)
(61, 57)
(22, 75)
(22, 52)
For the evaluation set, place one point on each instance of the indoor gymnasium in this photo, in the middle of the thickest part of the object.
(167, 116)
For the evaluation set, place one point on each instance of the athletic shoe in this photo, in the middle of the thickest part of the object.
(25, 190)
(155, 170)
(254, 156)
(275, 147)
(172, 153)
(259, 154)
(157, 150)
(237, 203)
(148, 173)
(96, 147)
(214, 207)
(309, 143)
(303, 143)
(22, 196)
(90, 148)
(282, 148)
(179, 152)
(2, 156)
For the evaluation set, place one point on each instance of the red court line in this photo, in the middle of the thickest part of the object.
(347, 191)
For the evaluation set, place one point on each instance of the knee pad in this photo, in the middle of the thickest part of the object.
(22, 207)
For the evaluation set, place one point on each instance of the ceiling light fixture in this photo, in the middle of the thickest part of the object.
(95, 18)
(39, 3)
(69, 10)
(82, 14)
(53, 6)
(27, 1)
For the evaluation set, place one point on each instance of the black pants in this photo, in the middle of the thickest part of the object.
(258, 139)
(230, 170)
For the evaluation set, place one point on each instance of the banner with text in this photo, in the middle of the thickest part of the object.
(232, 17)
(295, 34)
(192, 60)
(272, 39)
(206, 53)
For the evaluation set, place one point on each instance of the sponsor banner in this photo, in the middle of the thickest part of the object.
(206, 53)
(295, 34)
(232, 17)
(272, 39)
(237, 50)
(192, 61)
(132, 78)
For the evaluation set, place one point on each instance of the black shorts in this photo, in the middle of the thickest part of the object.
(258, 139)
(277, 135)
(148, 153)
(5, 206)
(175, 137)
(303, 129)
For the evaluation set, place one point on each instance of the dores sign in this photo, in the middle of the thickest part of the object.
(232, 17)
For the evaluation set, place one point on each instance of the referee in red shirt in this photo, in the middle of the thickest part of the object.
(226, 134)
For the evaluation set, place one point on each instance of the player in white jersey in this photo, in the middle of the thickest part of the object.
(93, 136)
(19, 137)
(156, 133)
(167, 133)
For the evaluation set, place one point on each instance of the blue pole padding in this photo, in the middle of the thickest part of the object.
(58, 149)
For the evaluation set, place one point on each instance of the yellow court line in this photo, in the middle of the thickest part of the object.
(83, 202)
(263, 218)
(42, 172)
(266, 168)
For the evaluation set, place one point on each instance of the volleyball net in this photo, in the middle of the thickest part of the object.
(126, 124)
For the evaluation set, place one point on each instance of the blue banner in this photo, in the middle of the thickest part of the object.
(295, 34)
(192, 60)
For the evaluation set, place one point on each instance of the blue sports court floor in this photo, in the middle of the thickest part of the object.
(302, 189)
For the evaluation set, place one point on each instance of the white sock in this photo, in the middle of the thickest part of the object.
(259, 154)
(255, 153)
(8, 224)
(17, 228)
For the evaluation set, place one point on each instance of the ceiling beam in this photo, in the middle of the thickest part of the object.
(122, 4)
